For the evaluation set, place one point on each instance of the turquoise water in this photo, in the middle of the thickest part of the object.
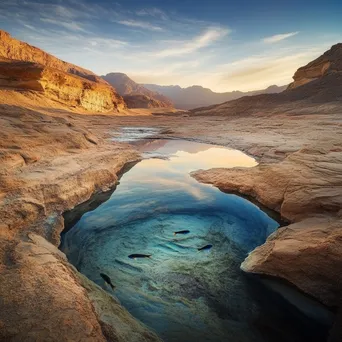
(180, 292)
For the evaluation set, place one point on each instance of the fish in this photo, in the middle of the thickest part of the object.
(182, 232)
(107, 280)
(136, 256)
(205, 248)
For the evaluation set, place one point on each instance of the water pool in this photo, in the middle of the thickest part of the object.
(180, 292)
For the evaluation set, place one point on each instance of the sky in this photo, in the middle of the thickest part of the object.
(223, 45)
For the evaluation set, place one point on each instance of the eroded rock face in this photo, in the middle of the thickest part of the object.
(329, 62)
(301, 252)
(50, 301)
(67, 88)
(306, 188)
(12, 48)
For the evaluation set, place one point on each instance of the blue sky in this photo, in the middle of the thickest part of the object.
(220, 44)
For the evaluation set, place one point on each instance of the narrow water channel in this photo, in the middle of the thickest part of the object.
(181, 292)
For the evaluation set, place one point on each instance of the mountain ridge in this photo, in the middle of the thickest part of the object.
(136, 95)
(197, 96)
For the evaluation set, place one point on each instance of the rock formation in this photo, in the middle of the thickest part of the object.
(136, 95)
(25, 67)
(12, 48)
(197, 96)
(69, 89)
(329, 62)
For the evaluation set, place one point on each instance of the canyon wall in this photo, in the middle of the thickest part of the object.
(12, 48)
(69, 89)
(26, 67)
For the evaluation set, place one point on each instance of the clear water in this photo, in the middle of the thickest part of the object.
(181, 293)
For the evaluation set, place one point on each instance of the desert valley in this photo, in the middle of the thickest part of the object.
(71, 139)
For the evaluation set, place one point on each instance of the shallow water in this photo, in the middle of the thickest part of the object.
(180, 292)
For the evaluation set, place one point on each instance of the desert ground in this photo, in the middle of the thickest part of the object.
(53, 158)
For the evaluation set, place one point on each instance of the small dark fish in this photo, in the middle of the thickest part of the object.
(136, 256)
(205, 248)
(182, 232)
(107, 280)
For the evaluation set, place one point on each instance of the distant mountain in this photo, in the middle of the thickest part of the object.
(197, 96)
(136, 95)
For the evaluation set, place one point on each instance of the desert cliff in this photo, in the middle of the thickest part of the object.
(12, 48)
(26, 67)
(329, 62)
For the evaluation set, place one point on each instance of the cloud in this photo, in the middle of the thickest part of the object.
(199, 42)
(260, 71)
(140, 24)
(72, 26)
(152, 12)
(279, 37)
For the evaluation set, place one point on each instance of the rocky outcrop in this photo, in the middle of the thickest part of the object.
(305, 188)
(69, 89)
(26, 67)
(136, 95)
(329, 62)
(50, 301)
(12, 48)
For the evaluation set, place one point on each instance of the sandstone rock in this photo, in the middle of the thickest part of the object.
(69, 89)
(329, 62)
(12, 48)
(43, 294)
(301, 252)
(306, 187)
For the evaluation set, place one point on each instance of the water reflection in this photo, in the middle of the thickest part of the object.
(183, 294)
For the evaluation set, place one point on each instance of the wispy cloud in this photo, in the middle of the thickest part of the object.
(152, 12)
(70, 25)
(140, 24)
(199, 42)
(279, 37)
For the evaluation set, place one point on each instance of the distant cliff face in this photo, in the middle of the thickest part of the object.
(329, 62)
(197, 96)
(26, 67)
(136, 95)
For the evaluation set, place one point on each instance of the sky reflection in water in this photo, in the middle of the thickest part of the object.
(183, 294)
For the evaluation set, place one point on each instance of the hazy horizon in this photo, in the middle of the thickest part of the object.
(220, 46)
